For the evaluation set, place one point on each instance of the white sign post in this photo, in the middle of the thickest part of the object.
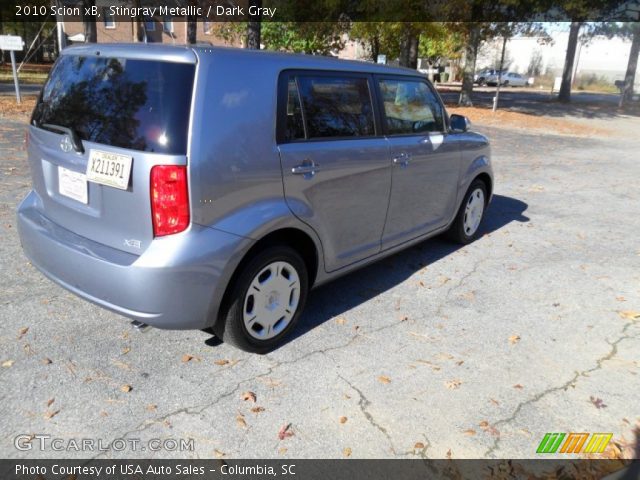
(13, 43)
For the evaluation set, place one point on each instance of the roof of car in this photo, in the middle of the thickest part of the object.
(189, 54)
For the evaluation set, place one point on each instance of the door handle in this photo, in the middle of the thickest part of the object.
(307, 168)
(402, 159)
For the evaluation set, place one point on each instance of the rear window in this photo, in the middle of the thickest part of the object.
(135, 104)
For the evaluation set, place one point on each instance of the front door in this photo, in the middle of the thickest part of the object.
(425, 159)
(336, 171)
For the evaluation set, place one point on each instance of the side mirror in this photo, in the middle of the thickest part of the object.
(459, 123)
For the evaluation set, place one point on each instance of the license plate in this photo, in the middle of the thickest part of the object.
(111, 169)
(73, 185)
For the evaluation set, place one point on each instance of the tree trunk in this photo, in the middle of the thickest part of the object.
(497, 97)
(375, 48)
(470, 55)
(192, 29)
(89, 21)
(405, 46)
(253, 27)
(630, 77)
(413, 50)
(567, 73)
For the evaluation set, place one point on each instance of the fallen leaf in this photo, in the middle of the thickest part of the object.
(460, 362)
(22, 332)
(629, 314)
(241, 421)
(494, 401)
(126, 350)
(187, 358)
(257, 409)
(404, 318)
(46, 361)
(597, 402)
(418, 446)
(469, 296)
(221, 362)
(122, 365)
(282, 450)
(487, 427)
(341, 320)
(50, 401)
(219, 454)
(343, 419)
(285, 432)
(126, 388)
(8, 363)
(518, 386)
(384, 379)
(453, 384)
(470, 432)
(346, 452)
(249, 396)
(621, 299)
(50, 414)
(103, 413)
(152, 407)
(513, 339)
(449, 454)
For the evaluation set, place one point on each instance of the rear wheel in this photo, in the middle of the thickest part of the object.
(265, 301)
(466, 226)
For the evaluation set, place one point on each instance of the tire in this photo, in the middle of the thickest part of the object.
(466, 226)
(258, 315)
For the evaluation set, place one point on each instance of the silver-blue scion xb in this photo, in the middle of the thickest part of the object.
(196, 187)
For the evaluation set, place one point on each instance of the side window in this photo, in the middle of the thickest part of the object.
(336, 106)
(294, 128)
(410, 107)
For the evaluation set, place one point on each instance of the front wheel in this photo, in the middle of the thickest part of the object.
(466, 226)
(265, 301)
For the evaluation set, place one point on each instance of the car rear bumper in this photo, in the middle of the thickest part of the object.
(177, 283)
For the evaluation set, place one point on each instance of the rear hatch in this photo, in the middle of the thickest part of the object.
(119, 105)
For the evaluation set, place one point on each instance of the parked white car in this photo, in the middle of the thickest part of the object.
(510, 79)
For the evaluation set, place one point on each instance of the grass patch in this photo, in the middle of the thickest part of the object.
(9, 108)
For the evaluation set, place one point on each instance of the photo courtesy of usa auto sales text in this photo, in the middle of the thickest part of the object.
(95, 471)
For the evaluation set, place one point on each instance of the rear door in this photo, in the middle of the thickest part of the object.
(335, 164)
(425, 159)
(135, 110)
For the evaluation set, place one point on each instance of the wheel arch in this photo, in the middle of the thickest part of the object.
(295, 238)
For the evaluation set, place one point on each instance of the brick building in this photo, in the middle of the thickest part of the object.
(156, 29)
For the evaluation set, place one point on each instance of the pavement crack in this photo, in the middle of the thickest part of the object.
(457, 285)
(585, 373)
(364, 403)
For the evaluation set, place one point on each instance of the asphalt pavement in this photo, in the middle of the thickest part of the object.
(438, 351)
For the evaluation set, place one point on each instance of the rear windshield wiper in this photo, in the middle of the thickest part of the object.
(73, 135)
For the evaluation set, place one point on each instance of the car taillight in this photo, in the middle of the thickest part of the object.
(169, 199)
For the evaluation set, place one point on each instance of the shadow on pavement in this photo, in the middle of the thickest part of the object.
(355, 288)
